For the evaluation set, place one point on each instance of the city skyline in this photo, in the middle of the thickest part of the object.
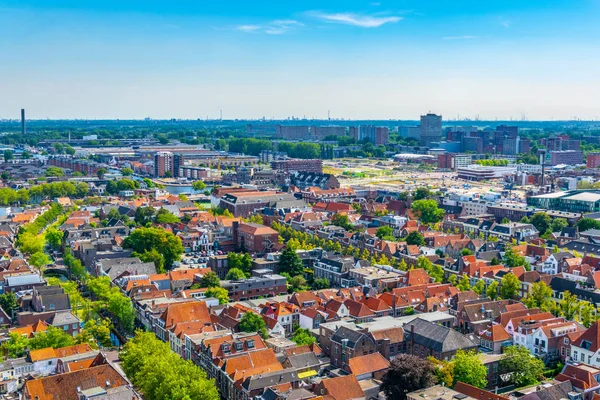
(359, 60)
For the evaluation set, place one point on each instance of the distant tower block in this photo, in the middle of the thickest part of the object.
(23, 125)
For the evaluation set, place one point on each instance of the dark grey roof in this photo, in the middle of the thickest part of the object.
(263, 381)
(64, 318)
(560, 285)
(557, 391)
(304, 360)
(117, 266)
(346, 333)
(583, 246)
(436, 337)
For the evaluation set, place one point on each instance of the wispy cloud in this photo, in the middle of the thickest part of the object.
(360, 20)
(248, 28)
(505, 23)
(375, 4)
(171, 26)
(459, 37)
(276, 27)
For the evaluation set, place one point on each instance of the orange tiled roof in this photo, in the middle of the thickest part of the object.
(368, 364)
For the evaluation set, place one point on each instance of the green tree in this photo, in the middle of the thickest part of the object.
(464, 284)
(479, 287)
(297, 283)
(54, 237)
(160, 374)
(235, 274)
(585, 224)
(407, 373)
(466, 252)
(54, 172)
(569, 305)
(143, 215)
(290, 262)
(492, 290)
(218, 293)
(252, 322)
(428, 211)
(588, 314)
(52, 337)
(153, 256)
(210, 280)
(468, 368)
(527, 370)
(198, 186)
(512, 259)
(540, 296)
(164, 216)
(15, 346)
(8, 155)
(341, 220)
(385, 232)
(505, 221)
(415, 238)
(558, 224)
(303, 337)
(101, 172)
(421, 193)
(127, 172)
(320, 283)
(541, 221)
(99, 330)
(30, 243)
(146, 239)
(510, 286)
(9, 303)
(39, 259)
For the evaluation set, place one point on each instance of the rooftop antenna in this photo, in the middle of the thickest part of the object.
(221, 114)
(329, 115)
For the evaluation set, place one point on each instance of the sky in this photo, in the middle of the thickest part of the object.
(501, 59)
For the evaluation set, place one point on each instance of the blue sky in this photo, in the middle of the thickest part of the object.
(274, 59)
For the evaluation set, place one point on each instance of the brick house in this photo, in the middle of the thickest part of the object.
(254, 238)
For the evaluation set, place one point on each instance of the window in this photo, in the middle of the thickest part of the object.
(582, 357)
(566, 340)
(66, 327)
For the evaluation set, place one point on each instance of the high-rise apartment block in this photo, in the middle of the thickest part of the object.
(431, 129)
(168, 164)
(374, 134)
(321, 132)
(567, 157)
(293, 132)
(593, 160)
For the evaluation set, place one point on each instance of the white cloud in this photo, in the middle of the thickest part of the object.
(276, 27)
(249, 28)
(505, 23)
(363, 21)
(459, 37)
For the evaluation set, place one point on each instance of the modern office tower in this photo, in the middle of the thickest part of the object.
(504, 132)
(431, 129)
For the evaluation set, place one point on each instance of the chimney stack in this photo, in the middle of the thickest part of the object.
(23, 125)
